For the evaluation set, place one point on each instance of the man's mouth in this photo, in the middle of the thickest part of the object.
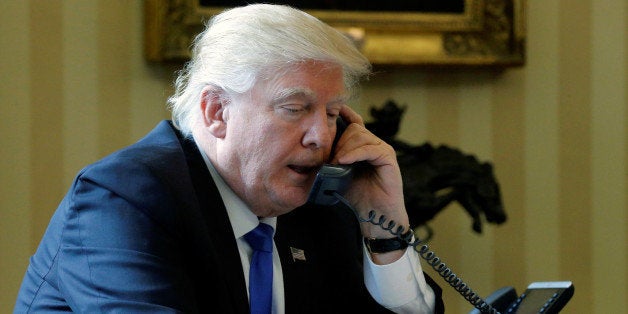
(303, 169)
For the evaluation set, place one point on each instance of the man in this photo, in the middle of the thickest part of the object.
(162, 226)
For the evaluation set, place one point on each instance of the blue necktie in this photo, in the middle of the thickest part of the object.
(261, 272)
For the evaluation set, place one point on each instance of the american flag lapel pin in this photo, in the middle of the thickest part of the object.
(297, 254)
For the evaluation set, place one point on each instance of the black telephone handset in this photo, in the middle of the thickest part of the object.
(331, 178)
(331, 183)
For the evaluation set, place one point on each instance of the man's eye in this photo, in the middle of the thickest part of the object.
(293, 109)
(333, 114)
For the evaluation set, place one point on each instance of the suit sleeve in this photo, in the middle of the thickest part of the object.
(115, 257)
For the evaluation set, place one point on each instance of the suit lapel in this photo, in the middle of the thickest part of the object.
(219, 260)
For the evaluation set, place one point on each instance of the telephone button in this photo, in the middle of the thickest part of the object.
(513, 308)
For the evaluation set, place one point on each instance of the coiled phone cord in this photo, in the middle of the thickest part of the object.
(429, 256)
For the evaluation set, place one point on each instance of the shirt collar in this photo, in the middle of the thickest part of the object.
(241, 217)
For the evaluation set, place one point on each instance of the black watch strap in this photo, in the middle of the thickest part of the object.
(374, 245)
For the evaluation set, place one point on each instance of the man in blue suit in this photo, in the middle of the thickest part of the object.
(160, 226)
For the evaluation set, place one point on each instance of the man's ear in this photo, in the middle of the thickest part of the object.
(213, 108)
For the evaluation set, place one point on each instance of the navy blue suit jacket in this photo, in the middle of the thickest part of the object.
(145, 230)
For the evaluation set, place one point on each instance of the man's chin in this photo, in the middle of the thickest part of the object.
(294, 197)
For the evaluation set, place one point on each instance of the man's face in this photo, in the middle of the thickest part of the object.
(280, 133)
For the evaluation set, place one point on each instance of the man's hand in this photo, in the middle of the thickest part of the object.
(380, 188)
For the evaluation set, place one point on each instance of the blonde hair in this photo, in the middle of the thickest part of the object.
(240, 44)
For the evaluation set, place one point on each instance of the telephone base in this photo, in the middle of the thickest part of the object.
(548, 297)
(500, 299)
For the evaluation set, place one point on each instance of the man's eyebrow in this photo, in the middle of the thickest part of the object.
(306, 93)
(291, 92)
(341, 99)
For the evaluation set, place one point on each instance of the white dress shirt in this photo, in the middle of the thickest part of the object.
(399, 286)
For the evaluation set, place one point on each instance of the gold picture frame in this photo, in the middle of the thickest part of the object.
(488, 33)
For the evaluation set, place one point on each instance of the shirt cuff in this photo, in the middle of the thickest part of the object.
(399, 286)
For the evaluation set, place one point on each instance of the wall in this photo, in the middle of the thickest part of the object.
(75, 87)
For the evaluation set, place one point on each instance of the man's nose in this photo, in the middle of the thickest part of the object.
(319, 133)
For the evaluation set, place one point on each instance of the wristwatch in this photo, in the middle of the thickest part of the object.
(374, 245)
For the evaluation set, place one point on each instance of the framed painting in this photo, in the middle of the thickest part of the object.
(487, 33)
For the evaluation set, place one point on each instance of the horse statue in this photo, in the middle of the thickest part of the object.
(434, 177)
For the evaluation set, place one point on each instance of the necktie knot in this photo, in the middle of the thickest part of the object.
(261, 238)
